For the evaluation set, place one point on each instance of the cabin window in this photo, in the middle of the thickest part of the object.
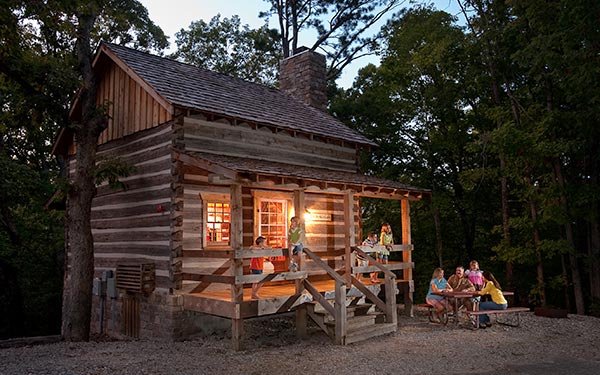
(217, 223)
(217, 220)
(273, 222)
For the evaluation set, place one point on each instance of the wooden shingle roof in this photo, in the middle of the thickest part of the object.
(190, 87)
(305, 174)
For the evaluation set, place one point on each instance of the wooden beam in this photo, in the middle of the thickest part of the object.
(299, 209)
(301, 315)
(256, 253)
(222, 279)
(206, 165)
(407, 256)
(341, 319)
(236, 236)
(369, 249)
(283, 276)
(349, 235)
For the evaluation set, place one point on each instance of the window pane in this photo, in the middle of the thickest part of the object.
(273, 224)
(217, 223)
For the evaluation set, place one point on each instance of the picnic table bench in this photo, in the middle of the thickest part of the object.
(432, 312)
(509, 310)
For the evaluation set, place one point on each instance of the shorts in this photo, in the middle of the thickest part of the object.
(297, 249)
(256, 272)
(435, 301)
(383, 257)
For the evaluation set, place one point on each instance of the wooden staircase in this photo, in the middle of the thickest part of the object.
(362, 322)
(344, 318)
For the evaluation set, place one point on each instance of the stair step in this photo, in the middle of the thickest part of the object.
(351, 312)
(356, 322)
(360, 309)
(365, 333)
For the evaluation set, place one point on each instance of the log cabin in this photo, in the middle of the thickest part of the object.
(219, 161)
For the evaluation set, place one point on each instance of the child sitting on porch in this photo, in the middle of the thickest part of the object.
(296, 241)
(257, 265)
(370, 241)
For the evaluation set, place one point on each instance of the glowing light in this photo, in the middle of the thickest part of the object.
(307, 216)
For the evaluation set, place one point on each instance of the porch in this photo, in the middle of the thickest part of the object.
(346, 310)
(258, 198)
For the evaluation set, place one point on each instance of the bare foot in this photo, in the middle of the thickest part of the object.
(255, 296)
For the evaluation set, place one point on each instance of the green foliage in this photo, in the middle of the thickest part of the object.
(342, 28)
(31, 245)
(227, 47)
(111, 170)
(39, 75)
(430, 107)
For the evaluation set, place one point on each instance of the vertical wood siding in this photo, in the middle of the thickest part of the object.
(130, 107)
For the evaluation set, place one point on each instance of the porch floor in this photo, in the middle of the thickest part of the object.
(275, 291)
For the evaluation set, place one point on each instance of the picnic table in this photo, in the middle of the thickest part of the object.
(453, 296)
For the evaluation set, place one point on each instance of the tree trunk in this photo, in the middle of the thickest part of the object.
(593, 169)
(537, 245)
(565, 274)
(490, 56)
(77, 297)
(505, 221)
(438, 234)
(594, 255)
(575, 275)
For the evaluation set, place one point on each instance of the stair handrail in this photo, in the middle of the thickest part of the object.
(380, 266)
(339, 308)
(330, 271)
(389, 306)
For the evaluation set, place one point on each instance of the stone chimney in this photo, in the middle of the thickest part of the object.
(304, 77)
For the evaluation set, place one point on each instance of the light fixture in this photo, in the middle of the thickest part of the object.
(307, 216)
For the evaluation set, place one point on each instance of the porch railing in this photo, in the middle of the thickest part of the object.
(338, 310)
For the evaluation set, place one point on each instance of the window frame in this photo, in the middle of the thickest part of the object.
(212, 198)
(262, 196)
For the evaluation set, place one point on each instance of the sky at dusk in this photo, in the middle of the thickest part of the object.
(174, 15)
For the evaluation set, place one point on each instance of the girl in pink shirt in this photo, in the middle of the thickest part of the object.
(474, 274)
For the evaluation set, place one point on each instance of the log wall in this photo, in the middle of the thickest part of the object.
(134, 225)
(244, 140)
(325, 238)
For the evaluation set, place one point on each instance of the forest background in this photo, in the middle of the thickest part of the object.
(498, 116)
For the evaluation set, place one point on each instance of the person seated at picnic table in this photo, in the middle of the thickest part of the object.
(438, 284)
(498, 302)
(460, 283)
(474, 274)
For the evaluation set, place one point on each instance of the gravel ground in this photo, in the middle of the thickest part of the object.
(540, 346)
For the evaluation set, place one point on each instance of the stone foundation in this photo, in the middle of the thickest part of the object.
(161, 316)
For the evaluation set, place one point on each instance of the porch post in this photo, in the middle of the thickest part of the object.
(407, 258)
(299, 209)
(349, 235)
(301, 314)
(237, 290)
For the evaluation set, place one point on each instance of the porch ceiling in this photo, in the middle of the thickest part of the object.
(274, 174)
